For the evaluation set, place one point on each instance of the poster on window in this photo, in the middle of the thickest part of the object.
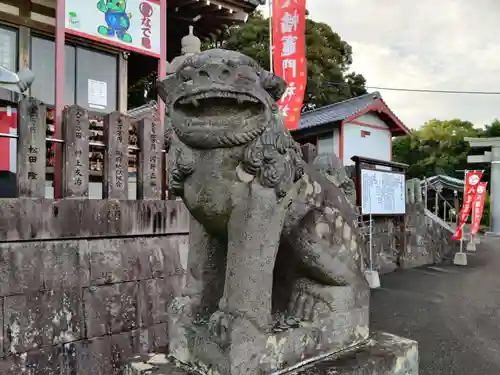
(97, 94)
(129, 24)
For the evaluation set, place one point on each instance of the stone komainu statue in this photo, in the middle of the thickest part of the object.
(274, 269)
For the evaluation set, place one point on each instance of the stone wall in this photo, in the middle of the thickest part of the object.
(385, 244)
(427, 242)
(85, 284)
(417, 242)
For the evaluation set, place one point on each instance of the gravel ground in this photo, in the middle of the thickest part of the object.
(453, 312)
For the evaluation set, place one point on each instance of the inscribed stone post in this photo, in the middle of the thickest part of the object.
(75, 131)
(150, 136)
(115, 183)
(31, 128)
(164, 187)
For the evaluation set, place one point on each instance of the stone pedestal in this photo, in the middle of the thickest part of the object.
(382, 354)
(246, 350)
(373, 279)
(460, 259)
(471, 246)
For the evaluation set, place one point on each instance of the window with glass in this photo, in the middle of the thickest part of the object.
(90, 76)
(8, 48)
(96, 80)
(43, 65)
(9, 60)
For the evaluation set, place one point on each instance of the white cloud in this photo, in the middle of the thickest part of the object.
(425, 44)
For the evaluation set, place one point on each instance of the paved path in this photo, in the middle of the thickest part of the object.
(453, 313)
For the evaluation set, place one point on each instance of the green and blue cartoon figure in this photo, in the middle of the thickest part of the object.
(117, 19)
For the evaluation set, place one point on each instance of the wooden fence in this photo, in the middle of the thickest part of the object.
(76, 144)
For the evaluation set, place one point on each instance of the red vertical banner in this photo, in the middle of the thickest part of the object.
(289, 56)
(472, 181)
(478, 207)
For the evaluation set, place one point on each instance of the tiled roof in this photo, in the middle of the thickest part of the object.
(337, 111)
(447, 181)
(343, 110)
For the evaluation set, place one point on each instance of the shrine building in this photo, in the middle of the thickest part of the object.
(363, 126)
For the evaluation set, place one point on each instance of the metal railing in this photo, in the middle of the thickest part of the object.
(447, 205)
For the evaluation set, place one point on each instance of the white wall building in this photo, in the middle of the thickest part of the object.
(363, 126)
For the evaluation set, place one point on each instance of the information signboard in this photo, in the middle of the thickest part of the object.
(129, 24)
(383, 192)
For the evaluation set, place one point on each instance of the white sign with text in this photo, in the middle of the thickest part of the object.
(383, 193)
(128, 24)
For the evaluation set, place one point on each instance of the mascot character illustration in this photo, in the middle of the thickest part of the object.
(117, 19)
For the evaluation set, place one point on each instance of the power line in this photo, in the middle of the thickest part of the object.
(418, 90)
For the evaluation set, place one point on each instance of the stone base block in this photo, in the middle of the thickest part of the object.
(383, 354)
(238, 347)
(471, 246)
(460, 259)
(250, 353)
(373, 279)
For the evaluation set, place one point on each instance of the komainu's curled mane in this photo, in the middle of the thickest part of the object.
(271, 237)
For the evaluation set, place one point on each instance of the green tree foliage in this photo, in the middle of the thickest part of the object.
(485, 220)
(142, 91)
(438, 147)
(492, 130)
(329, 58)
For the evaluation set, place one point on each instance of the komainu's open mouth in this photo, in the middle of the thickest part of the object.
(216, 104)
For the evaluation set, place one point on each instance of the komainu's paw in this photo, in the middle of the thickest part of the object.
(220, 325)
(310, 301)
(229, 327)
(185, 307)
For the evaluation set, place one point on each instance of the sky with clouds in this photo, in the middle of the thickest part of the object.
(424, 44)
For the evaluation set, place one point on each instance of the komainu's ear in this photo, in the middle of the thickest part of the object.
(167, 86)
(273, 84)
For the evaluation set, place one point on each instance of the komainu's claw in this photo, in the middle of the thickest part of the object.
(220, 324)
(310, 301)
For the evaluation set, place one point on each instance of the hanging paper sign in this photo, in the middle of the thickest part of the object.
(472, 181)
(289, 56)
(478, 207)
